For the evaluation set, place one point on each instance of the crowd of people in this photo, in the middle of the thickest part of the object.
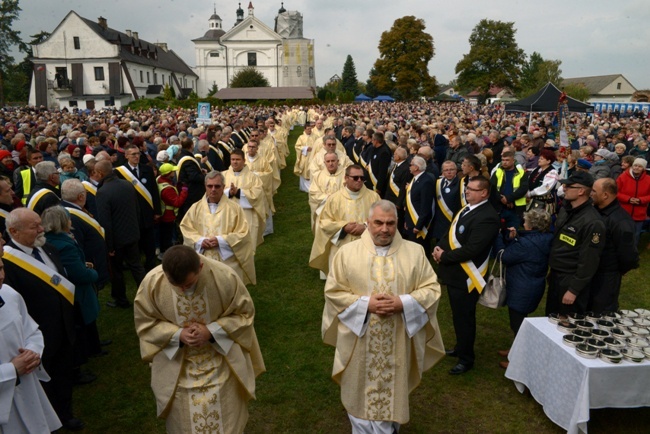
(84, 195)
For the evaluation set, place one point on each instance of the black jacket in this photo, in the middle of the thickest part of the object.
(578, 242)
(401, 175)
(378, 160)
(118, 212)
(451, 196)
(620, 253)
(475, 231)
(148, 179)
(422, 192)
(191, 176)
(51, 198)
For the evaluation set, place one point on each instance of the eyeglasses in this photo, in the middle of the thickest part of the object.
(474, 189)
(356, 178)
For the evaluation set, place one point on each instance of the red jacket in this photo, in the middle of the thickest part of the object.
(629, 187)
(171, 199)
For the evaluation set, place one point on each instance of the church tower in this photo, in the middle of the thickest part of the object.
(214, 22)
(240, 15)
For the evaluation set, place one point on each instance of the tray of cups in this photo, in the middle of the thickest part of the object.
(572, 340)
(573, 317)
(633, 355)
(587, 351)
(621, 333)
(637, 343)
(605, 324)
(556, 318)
(600, 333)
(640, 332)
(614, 344)
(567, 327)
(610, 356)
(630, 314)
(582, 333)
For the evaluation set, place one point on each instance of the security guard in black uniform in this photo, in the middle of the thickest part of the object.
(576, 249)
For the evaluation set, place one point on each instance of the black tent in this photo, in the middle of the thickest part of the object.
(546, 100)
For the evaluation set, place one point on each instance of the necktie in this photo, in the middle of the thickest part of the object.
(37, 255)
(463, 212)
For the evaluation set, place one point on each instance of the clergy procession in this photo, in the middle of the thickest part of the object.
(400, 200)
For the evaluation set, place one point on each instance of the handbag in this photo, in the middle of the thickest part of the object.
(494, 293)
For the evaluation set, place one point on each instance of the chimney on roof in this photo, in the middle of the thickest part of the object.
(162, 45)
(128, 33)
(135, 35)
(102, 23)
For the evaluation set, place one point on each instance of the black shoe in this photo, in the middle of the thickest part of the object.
(118, 303)
(84, 378)
(105, 342)
(460, 369)
(73, 424)
(451, 353)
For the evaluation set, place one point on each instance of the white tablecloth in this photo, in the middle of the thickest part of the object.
(568, 385)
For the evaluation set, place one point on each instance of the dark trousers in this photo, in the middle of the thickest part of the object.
(516, 319)
(425, 242)
(57, 361)
(557, 287)
(463, 311)
(129, 254)
(148, 247)
(167, 230)
(604, 291)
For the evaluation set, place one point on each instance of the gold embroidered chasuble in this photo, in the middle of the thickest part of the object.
(341, 208)
(378, 370)
(228, 222)
(251, 185)
(199, 390)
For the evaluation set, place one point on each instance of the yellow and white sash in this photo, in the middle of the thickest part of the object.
(373, 178)
(183, 160)
(36, 197)
(88, 219)
(413, 213)
(139, 187)
(90, 187)
(394, 187)
(476, 275)
(40, 270)
(4, 213)
(218, 151)
(463, 201)
(446, 211)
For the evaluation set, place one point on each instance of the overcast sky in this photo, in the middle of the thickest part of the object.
(594, 37)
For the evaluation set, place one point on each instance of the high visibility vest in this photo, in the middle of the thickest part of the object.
(26, 175)
(516, 182)
(161, 187)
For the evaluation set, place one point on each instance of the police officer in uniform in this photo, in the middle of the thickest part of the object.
(577, 246)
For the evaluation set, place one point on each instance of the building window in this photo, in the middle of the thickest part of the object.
(141, 77)
(163, 78)
(285, 71)
(73, 103)
(252, 59)
(148, 80)
(299, 71)
(155, 78)
(216, 54)
(77, 44)
(99, 73)
(311, 72)
(618, 86)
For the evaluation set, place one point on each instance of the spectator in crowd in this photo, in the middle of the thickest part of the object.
(634, 193)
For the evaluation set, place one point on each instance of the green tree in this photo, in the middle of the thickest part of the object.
(168, 93)
(404, 53)
(249, 77)
(9, 38)
(214, 89)
(536, 72)
(578, 91)
(349, 81)
(494, 58)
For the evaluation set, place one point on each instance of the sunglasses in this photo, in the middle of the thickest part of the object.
(357, 178)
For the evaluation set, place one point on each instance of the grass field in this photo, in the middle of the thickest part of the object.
(296, 394)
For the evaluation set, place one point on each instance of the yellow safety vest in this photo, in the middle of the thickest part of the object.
(26, 175)
(161, 187)
(516, 182)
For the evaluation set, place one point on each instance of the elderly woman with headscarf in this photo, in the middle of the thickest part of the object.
(57, 224)
(525, 257)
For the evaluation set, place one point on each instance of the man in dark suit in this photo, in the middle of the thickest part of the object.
(378, 162)
(347, 136)
(399, 176)
(45, 192)
(190, 175)
(50, 302)
(463, 260)
(419, 205)
(118, 213)
(447, 200)
(432, 168)
(144, 181)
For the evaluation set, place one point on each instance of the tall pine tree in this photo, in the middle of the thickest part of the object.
(349, 82)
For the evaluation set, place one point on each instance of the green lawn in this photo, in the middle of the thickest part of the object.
(296, 394)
